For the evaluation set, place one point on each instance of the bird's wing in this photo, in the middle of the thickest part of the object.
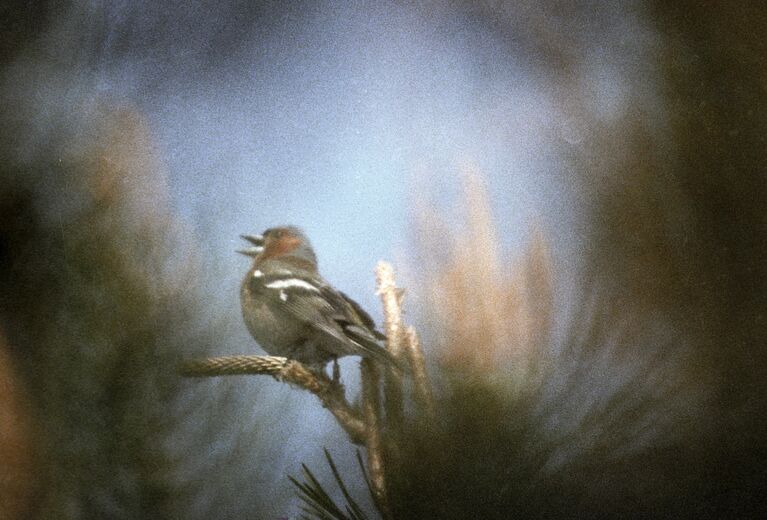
(316, 304)
(363, 316)
(358, 326)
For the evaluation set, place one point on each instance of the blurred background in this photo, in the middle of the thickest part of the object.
(573, 195)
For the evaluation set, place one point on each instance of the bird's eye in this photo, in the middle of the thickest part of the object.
(278, 234)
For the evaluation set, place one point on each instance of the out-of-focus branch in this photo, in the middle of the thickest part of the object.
(391, 298)
(330, 394)
(403, 343)
(373, 441)
(422, 390)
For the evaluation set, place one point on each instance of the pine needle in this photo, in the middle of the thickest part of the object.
(319, 505)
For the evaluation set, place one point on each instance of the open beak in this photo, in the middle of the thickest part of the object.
(256, 248)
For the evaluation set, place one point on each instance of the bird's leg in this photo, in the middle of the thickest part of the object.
(336, 388)
(336, 372)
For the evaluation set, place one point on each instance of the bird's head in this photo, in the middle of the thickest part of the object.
(287, 244)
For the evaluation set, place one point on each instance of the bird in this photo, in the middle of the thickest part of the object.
(292, 311)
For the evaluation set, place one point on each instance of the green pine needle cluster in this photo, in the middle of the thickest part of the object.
(319, 505)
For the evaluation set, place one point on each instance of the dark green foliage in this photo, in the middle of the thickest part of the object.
(319, 504)
(469, 466)
(98, 309)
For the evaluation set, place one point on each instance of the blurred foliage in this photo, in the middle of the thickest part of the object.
(17, 439)
(535, 421)
(663, 360)
(97, 301)
(683, 230)
(485, 313)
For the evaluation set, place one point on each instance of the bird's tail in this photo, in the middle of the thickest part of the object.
(374, 349)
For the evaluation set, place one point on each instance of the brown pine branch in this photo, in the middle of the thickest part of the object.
(391, 298)
(422, 387)
(234, 365)
(371, 413)
(331, 395)
(403, 343)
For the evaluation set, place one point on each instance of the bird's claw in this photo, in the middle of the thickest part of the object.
(336, 388)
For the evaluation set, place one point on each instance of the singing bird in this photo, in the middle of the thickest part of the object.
(292, 311)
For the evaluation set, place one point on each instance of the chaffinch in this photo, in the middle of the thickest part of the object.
(291, 311)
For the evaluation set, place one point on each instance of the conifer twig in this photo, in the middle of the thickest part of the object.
(234, 365)
(391, 298)
(422, 387)
(290, 371)
(373, 441)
